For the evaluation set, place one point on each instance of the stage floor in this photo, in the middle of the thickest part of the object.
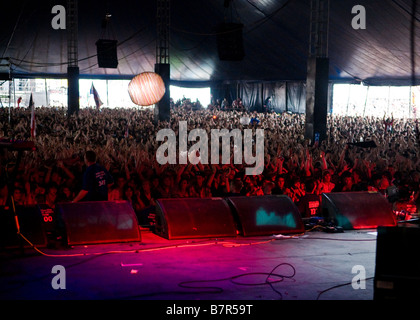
(314, 265)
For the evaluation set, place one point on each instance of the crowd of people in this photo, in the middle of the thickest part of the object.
(359, 154)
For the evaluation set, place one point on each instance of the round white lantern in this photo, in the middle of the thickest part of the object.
(146, 89)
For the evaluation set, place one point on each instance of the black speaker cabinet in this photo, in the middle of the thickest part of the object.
(107, 53)
(358, 210)
(266, 215)
(309, 205)
(31, 227)
(229, 42)
(397, 269)
(73, 75)
(163, 112)
(317, 99)
(94, 222)
(180, 218)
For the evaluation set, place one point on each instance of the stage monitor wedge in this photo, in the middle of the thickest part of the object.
(358, 210)
(94, 222)
(183, 218)
(30, 224)
(266, 215)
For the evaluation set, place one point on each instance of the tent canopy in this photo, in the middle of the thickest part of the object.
(275, 39)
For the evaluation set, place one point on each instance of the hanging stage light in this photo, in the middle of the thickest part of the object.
(146, 89)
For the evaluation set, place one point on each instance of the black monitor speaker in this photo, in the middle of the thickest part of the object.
(180, 218)
(94, 222)
(358, 210)
(266, 215)
(31, 225)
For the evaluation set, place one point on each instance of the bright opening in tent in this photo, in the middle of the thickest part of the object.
(112, 93)
(201, 94)
(377, 101)
(347, 99)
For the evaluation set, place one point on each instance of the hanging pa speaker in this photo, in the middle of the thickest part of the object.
(229, 42)
(179, 218)
(94, 222)
(358, 210)
(107, 53)
(5, 70)
(266, 215)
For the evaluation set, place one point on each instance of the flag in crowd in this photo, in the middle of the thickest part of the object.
(98, 101)
(33, 122)
(126, 133)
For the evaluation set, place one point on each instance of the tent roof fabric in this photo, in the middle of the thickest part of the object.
(275, 40)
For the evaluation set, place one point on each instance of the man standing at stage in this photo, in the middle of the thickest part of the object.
(96, 181)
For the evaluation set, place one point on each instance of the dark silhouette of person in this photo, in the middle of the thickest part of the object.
(96, 181)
